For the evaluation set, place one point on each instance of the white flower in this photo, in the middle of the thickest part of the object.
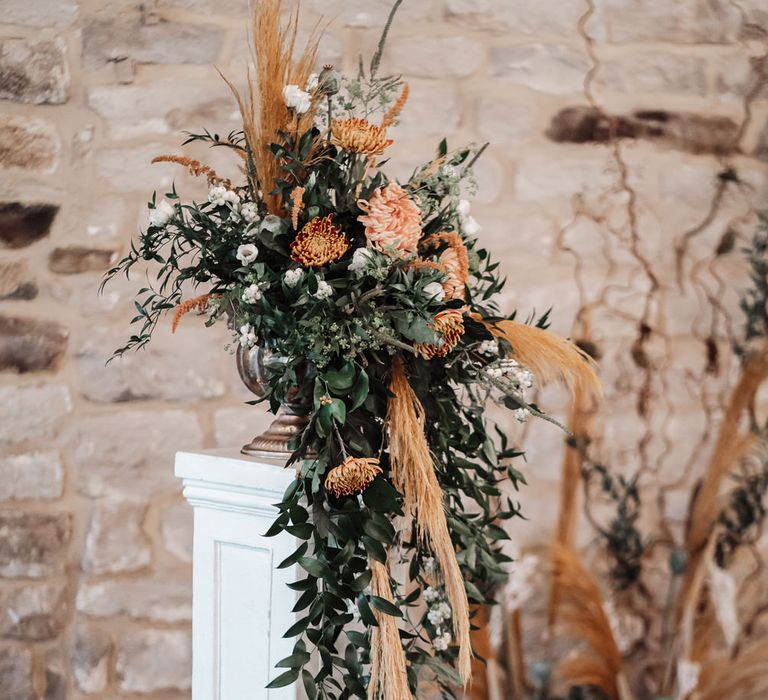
(434, 291)
(250, 212)
(293, 277)
(252, 294)
(687, 676)
(247, 253)
(439, 614)
(520, 415)
(219, 196)
(296, 99)
(494, 372)
(464, 208)
(161, 214)
(247, 336)
(360, 259)
(312, 81)
(324, 290)
(489, 347)
(470, 226)
(442, 641)
(431, 595)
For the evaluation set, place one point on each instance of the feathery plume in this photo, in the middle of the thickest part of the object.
(263, 108)
(195, 304)
(548, 356)
(394, 111)
(582, 615)
(413, 475)
(297, 205)
(389, 677)
(195, 168)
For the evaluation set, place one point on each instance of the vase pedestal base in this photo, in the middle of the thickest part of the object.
(274, 442)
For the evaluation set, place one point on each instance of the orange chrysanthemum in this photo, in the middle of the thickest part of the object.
(454, 260)
(319, 243)
(360, 136)
(353, 475)
(450, 325)
(392, 219)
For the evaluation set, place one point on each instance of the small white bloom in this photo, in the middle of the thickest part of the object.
(296, 99)
(520, 415)
(429, 564)
(312, 81)
(442, 641)
(324, 290)
(250, 212)
(494, 372)
(252, 294)
(687, 676)
(360, 259)
(247, 253)
(232, 198)
(293, 277)
(161, 214)
(435, 616)
(217, 195)
(464, 208)
(434, 291)
(489, 347)
(247, 336)
(431, 595)
(470, 226)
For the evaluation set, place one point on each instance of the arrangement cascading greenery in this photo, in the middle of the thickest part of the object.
(380, 296)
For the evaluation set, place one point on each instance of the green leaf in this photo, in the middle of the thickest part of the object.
(341, 380)
(285, 679)
(366, 614)
(360, 391)
(385, 606)
(310, 687)
(314, 567)
(293, 558)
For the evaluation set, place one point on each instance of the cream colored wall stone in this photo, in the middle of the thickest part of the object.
(154, 660)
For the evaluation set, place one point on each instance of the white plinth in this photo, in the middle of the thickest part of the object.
(241, 604)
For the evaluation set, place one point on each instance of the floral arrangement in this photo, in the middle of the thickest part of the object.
(674, 617)
(377, 306)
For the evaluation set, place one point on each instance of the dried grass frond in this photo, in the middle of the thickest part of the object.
(394, 111)
(549, 357)
(565, 529)
(481, 645)
(195, 304)
(745, 677)
(413, 475)
(297, 204)
(730, 448)
(389, 676)
(581, 614)
(195, 168)
(263, 108)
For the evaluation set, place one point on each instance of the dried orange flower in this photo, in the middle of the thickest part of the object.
(360, 136)
(319, 243)
(392, 219)
(353, 475)
(450, 325)
(454, 260)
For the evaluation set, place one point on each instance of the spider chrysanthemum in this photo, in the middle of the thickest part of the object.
(450, 325)
(319, 243)
(353, 475)
(360, 136)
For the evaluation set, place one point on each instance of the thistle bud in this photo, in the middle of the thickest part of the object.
(678, 561)
(329, 81)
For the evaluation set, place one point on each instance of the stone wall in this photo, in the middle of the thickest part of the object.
(94, 536)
